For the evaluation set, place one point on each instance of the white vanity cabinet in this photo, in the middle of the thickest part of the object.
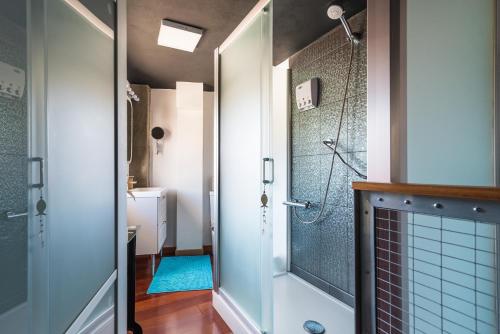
(147, 212)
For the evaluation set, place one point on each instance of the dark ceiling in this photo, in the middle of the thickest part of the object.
(161, 67)
(297, 23)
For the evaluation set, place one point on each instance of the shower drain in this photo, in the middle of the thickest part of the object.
(313, 327)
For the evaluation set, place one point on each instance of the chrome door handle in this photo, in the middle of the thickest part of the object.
(297, 204)
(40, 168)
(264, 177)
(11, 215)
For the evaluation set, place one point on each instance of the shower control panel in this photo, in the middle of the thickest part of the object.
(12, 80)
(307, 94)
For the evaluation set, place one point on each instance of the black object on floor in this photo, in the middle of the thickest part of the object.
(131, 324)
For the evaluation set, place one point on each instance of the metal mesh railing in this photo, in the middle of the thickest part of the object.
(434, 274)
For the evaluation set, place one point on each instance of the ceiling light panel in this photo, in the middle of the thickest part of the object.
(179, 36)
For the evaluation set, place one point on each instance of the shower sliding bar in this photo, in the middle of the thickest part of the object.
(297, 204)
(12, 214)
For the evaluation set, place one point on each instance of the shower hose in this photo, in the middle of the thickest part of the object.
(319, 215)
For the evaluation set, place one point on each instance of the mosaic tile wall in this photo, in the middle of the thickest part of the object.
(323, 253)
(13, 174)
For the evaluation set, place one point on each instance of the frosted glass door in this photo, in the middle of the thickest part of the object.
(57, 161)
(80, 159)
(244, 78)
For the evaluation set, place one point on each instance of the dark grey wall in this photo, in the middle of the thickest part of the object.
(13, 168)
(323, 253)
(139, 168)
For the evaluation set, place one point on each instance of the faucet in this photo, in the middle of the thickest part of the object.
(131, 194)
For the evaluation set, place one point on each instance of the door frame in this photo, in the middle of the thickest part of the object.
(121, 166)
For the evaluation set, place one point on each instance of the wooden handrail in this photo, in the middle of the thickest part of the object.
(477, 193)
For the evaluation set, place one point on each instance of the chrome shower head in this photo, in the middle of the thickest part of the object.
(336, 12)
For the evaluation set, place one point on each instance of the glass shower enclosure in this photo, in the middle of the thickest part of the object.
(244, 175)
(57, 164)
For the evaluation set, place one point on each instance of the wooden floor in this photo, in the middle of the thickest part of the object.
(179, 312)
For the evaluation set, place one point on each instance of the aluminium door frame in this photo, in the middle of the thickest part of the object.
(263, 7)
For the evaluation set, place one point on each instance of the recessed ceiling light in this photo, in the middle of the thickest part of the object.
(179, 36)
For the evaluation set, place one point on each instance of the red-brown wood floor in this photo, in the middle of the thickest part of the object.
(179, 312)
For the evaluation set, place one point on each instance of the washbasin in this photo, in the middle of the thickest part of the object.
(146, 192)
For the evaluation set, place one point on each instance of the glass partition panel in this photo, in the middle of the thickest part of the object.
(452, 265)
(14, 295)
(450, 91)
(244, 110)
(80, 162)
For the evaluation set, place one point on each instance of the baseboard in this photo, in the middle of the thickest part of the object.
(172, 251)
(207, 250)
(232, 315)
(188, 252)
(168, 251)
(102, 324)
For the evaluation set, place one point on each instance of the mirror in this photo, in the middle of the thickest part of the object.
(157, 133)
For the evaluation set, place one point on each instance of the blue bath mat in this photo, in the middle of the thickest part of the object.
(182, 273)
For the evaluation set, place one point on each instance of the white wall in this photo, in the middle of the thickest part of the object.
(378, 99)
(164, 164)
(189, 165)
(172, 156)
(280, 155)
(208, 162)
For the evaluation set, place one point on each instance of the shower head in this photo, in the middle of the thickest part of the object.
(336, 12)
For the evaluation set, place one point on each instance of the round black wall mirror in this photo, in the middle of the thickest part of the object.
(157, 133)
